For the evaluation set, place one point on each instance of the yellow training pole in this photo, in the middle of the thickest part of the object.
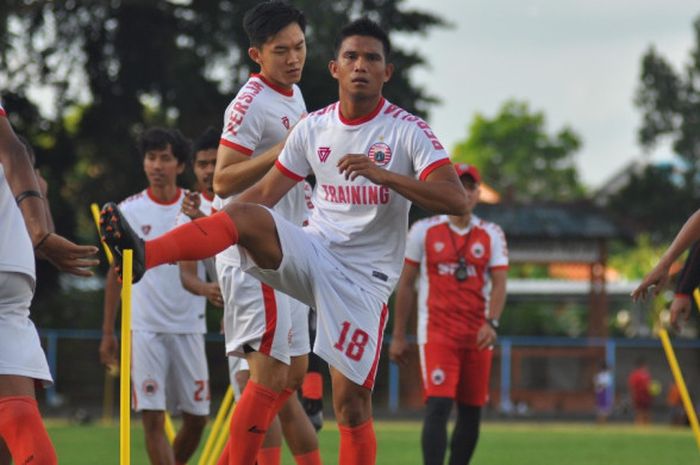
(678, 376)
(696, 294)
(169, 428)
(95, 209)
(216, 426)
(221, 439)
(125, 380)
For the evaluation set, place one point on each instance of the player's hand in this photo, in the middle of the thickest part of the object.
(486, 337)
(190, 205)
(109, 347)
(658, 277)
(213, 294)
(353, 165)
(67, 256)
(398, 350)
(680, 307)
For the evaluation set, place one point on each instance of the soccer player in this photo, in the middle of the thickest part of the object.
(458, 265)
(168, 323)
(371, 159)
(639, 383)
(265, 326)
(24, 234)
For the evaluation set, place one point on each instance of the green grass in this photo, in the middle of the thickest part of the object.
(398, 444)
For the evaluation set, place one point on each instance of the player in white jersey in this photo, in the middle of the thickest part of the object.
(24, 232)
(169, 368)
(370, 159)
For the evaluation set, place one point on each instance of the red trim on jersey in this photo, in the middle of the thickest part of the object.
(369, 382)
(499, 267)
(234, 146)
(270, 304)
(174, 200)
(408, 261)
(361, 119)
(286, 91)
(680, 295)
(206, 196)
(2, 112)
(287, 172)
(432, 167)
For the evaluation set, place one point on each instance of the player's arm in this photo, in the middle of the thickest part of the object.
(441, 192)
(404, 307)
(689, 279)
(108, 345)
(270, 189)
(486, 336)
(191, 281)
(236, 171)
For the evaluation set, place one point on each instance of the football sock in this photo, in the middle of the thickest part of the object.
(249, 423)
(270, 456)
(434, 435)
(312, 388)
(23, 432)
(279, 403)
(465, 434)
(197, 240)
(358, 444)
(310, 458)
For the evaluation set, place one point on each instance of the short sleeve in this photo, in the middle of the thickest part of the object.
(243, 130)
(415, 243)
(499, 247)
(2, 110)
(292, 162)
(427, 153)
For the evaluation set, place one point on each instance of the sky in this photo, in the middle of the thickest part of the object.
(578, 61)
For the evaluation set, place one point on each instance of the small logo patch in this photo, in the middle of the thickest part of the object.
(256, 430)
(439, 246)
(285, 122)
(437, 377)
(478, 249)
(150, 387)
(146, 228)
(380, 153)
(323, 153)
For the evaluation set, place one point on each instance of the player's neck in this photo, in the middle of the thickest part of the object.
(356, 108)
(164, 194)
(461, 221)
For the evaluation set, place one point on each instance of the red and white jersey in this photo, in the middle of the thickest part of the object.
(257, 119)
(16, 252)
(160, 303)
(450, 312)
(363, 224)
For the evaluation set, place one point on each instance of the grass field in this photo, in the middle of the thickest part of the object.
(398, 444)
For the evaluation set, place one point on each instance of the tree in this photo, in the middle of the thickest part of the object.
(519, 159)
(670, 105)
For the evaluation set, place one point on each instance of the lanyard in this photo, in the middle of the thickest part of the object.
(461, 273)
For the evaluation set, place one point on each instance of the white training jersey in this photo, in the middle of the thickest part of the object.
(16, 252)
(259, 117)
(159, 302)
(363, 224)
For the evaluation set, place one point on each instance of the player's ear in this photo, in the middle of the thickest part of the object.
(181, 167)
(388, 72)
(333, 68)
(254, 54)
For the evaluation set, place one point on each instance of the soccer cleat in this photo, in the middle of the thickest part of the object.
(119, 236)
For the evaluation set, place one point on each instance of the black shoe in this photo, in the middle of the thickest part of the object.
(119, 236)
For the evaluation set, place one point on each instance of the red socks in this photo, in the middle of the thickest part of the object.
(310, 458)
(249, 423)
(358, 445)
(312, 388)
(23, 431)
(270, 456)
(279, 403)
(197, 240)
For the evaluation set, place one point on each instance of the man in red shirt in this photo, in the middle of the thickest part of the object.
(639, 383)
(460, 265)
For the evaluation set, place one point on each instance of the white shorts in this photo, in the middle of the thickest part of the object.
(169, 372)
(236, 365)
(261, 317)
(20, 350)
(350, 320)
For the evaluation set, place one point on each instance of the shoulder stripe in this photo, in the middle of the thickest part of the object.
(287, 172)
(236, 147)
(432, 167)
(408, 261)
(2, 112)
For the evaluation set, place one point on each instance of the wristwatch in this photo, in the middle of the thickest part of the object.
(493, 322)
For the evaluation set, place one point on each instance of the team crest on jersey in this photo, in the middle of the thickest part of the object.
(477, 249)
(439, 246)
(285, 122)
(323, 153)
(146, 228)
(380, 153)
(149, 387)
(437, 377)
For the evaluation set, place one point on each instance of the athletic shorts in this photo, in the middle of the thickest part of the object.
(236, 365)
(261, 317)
(169, 372)
(351, 321)
(460, 374)
(20, 350)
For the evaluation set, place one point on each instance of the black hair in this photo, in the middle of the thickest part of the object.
(268, 18)
(208, 140)
(364, 27)
(159, 139)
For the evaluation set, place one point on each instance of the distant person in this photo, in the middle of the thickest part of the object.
(675, 405)
(25, 233)
(602, 385)
(639, 383)
(455, 274)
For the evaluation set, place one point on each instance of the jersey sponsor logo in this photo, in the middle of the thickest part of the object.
(448, 269)
(323, 153)
(439, 246)
(149, 387)
(437, 376)
(380, 153)
(145, 229)
(478, 250)
(241, 105)
(285, 122)
(356, 195)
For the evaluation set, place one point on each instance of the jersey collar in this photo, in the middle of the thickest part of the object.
(277, 88)
(361, 119)
(172, 201)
